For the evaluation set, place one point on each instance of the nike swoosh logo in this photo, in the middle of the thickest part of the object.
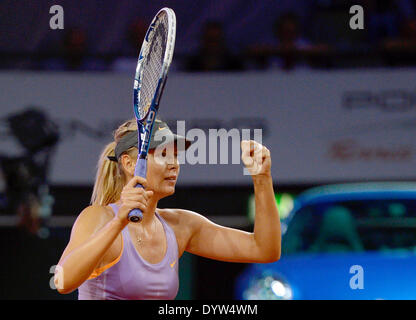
(161, 128)
(172, 264)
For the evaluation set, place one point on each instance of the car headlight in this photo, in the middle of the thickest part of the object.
(268, 287)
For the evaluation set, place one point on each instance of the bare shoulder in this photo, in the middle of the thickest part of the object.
(93, 217)
(88, 222)
(180, 217)
(183, 222)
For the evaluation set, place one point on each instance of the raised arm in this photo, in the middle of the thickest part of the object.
(92, 235)
(213, 241)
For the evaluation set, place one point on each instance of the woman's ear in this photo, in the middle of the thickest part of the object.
(128, 164)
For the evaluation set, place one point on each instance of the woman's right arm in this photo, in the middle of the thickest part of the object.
(92, 235)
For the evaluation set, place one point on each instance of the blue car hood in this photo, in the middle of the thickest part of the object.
(328, 276)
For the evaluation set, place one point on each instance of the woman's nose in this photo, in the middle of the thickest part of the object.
(173, 161)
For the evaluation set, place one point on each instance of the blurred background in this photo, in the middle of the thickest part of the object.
(336, 107)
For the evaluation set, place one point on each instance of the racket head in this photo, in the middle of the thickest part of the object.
(153, 64)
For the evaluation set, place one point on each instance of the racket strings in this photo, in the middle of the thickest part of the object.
(153, 63)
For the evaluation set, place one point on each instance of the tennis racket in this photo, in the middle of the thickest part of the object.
(151, 73)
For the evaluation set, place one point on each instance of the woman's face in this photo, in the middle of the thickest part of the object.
(162, 170)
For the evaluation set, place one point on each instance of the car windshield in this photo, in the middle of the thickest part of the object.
(352, 226)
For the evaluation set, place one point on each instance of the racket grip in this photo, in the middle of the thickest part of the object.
(136, 215)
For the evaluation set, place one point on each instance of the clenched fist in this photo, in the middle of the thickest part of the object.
(132, 198)
(256, 158)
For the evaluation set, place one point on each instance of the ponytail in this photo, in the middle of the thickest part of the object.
(110, 178)
(107, 187)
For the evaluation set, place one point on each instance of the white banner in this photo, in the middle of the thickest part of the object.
(320, 126)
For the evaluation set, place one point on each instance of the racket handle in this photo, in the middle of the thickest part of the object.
(136, 215)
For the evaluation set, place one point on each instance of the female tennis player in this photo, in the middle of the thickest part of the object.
(109, 257)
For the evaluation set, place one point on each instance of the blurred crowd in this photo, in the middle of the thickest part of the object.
(320, 39)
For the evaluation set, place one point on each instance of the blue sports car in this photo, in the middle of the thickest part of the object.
(345, 241)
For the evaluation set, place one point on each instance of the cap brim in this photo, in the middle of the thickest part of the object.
(180, 141)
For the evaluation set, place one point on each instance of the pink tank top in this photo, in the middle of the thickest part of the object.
(132, 277)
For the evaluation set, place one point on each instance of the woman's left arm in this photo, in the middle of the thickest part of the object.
(217, 242)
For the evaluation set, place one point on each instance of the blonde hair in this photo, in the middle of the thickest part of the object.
(110, 178)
